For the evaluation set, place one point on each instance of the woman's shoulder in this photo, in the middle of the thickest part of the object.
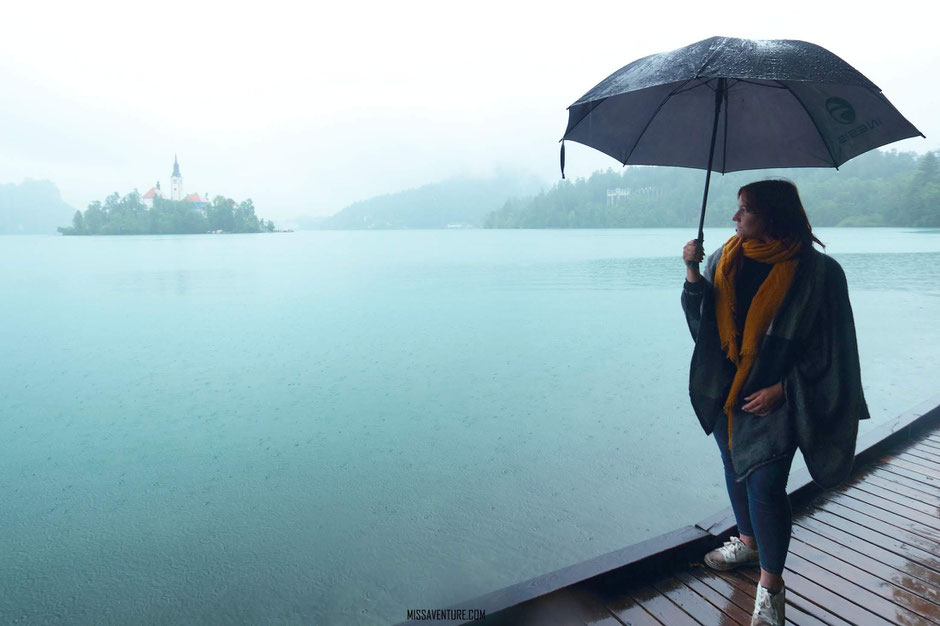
(829, 264)
(828, 271)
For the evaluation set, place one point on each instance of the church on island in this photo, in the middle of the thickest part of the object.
(176, 191)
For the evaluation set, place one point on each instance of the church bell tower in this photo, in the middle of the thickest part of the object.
(176, 181)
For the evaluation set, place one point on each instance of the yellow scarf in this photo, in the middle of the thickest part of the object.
(763, 307)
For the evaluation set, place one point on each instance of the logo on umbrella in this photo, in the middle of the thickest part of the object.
(840, 110)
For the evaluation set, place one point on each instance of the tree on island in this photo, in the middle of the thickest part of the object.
(130, 216)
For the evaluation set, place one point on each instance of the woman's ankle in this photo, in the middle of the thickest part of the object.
(771, 582)
(749, 541)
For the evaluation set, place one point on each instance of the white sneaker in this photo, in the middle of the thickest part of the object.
(733, 554)
(769, 609)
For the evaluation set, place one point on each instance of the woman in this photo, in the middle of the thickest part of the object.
(775, 368)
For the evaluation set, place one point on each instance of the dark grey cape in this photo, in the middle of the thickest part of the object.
(811, 347)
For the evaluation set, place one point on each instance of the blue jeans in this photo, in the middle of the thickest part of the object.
(760, 503)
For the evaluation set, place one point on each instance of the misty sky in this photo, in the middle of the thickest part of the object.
(306, 109)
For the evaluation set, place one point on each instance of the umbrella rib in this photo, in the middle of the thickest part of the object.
(583, 117)
(712, 52)
(653, 116)
(888, 102)
(815, 125)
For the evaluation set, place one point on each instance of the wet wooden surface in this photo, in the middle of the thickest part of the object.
(865, 554)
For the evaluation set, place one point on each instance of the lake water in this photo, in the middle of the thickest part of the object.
(334, 427)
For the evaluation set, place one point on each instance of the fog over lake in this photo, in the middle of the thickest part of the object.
(332, 427)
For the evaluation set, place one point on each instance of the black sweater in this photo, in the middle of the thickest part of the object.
(750, 277)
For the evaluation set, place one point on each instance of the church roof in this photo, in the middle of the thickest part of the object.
(154, 191)
(194, 197)
(176, 167)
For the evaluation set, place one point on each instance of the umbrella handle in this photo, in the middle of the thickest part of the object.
(694, 265)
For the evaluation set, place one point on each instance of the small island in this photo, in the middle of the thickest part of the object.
(152, 214)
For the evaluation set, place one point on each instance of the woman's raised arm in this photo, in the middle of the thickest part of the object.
(693, 291)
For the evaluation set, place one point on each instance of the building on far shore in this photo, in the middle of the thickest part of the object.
(197, 200)
(148, 197)
(176, 190)
(615, 195)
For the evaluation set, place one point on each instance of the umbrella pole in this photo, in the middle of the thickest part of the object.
(719, 95)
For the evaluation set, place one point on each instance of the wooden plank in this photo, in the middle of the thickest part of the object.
(905, 453)
(878, 533)
(929, 468)
(906, 567)
(910, 483)
(922, 444)
(745, 579)
(629, 611)
(871, 565)
(913, 532)
(732, 611)
(883, 511)
(661, 607)
(931, 459)
(735, 595)
(894, 602)
(692, 603)
(861, 513)
(799, 609)
(930, 523)
(900, 497)
(930, 502)
(927, 454)
(826, 589)
(925, 483)
(925, 475)
(926, 444)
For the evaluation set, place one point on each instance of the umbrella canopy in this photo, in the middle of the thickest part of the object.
(772, 103)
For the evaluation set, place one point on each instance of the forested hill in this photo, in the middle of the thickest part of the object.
(32, 207)
(437, 205)
(875, 189)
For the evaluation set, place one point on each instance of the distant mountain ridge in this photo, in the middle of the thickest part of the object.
(457, 201)
(32, 207)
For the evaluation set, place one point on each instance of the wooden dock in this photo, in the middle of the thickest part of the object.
(865, 553)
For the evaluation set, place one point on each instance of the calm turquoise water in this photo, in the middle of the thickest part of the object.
(333, 427)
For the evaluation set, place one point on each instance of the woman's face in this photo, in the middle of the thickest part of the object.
(750, 225)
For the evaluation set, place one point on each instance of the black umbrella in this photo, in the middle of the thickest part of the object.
(726, 104)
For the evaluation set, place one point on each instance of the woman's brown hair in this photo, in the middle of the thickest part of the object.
(778, 204)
